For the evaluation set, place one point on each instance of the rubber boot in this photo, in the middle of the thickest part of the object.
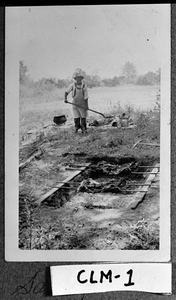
(83, 125)
(77, 124)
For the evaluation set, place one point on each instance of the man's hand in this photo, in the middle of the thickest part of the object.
(86, 104)
(66, 94)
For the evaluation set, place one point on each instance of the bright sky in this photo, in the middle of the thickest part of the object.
(56, 40)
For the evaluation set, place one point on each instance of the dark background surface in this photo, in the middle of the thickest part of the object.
(33, 279)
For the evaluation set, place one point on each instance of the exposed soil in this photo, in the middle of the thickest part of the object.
(95, 221)
(91, 212)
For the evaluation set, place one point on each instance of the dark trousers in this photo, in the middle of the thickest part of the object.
(77, 123)
(80, 123)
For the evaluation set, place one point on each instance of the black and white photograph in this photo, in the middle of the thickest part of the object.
(88, 133)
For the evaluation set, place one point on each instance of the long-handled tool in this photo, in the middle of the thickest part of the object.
(90, 110)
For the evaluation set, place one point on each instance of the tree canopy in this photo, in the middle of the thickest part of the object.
(128, 76)
(129, 72)
(23, 69)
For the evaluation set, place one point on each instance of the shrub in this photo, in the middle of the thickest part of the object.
(150, 78)
(142, 235)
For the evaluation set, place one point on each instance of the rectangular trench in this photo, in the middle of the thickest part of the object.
(127, 182)
(95, 208)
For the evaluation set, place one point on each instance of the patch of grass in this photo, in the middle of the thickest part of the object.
(26, 211)
(141, 235)
(39, 93)
(38, 106)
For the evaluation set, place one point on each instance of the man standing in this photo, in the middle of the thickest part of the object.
(80, 99)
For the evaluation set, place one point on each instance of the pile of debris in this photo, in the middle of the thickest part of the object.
(123, 120)
(91, 186)
(95, 180)
(109, 169)
(102, 122)
(120, 121)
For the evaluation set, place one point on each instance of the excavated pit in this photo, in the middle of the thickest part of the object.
(92, 210)
(106, 178)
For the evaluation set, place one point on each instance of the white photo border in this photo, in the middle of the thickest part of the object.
(12, 251)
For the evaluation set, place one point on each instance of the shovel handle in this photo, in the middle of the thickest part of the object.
(87, 109)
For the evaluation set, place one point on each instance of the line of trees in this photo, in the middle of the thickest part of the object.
(128, 76)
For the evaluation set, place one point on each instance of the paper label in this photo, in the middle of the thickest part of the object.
(80, 279)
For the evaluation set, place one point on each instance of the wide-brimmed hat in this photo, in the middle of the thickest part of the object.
(78, 74)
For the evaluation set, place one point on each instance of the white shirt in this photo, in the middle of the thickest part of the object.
(72, 86)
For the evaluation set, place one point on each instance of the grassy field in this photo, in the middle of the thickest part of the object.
(137, 97)
(38, 106)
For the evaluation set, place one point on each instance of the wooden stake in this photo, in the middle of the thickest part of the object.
(60, 185)
(134, 191)
(140, 194)
(37, 154)
(67, 182)
(149, 144)
(143, 173)
(138, 184)
(148, 167)
(137, 143)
